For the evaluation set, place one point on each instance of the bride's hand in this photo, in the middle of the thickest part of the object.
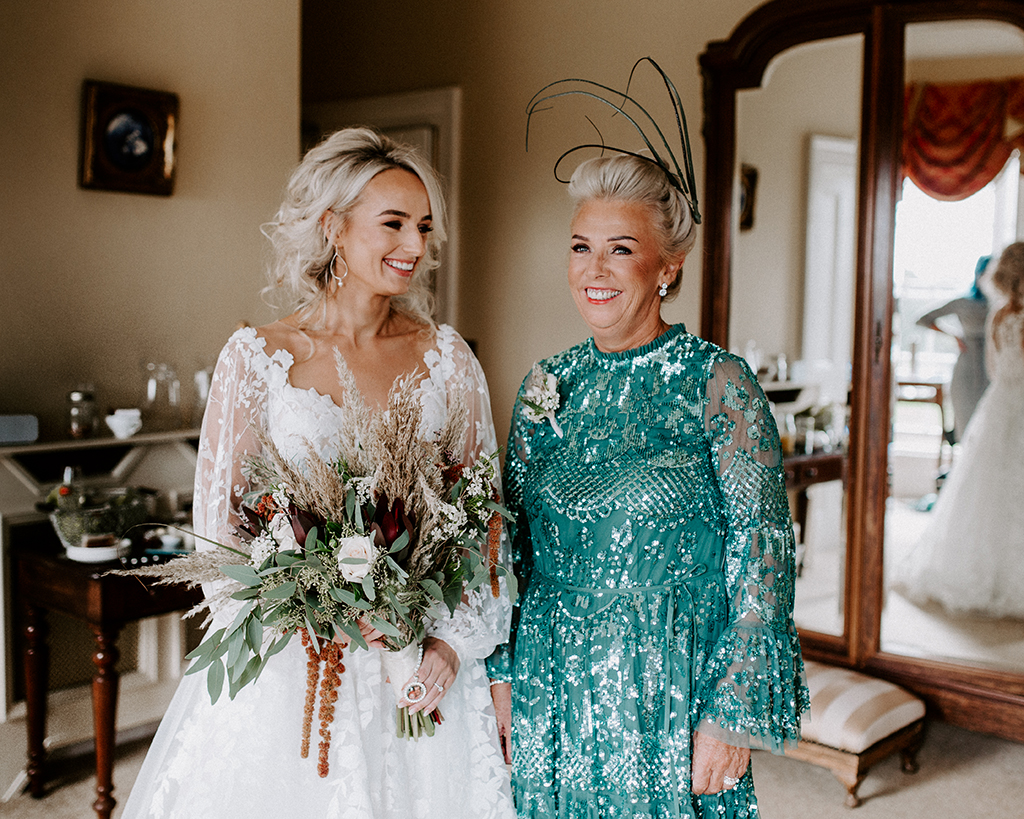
(437, 672)
(370, 634)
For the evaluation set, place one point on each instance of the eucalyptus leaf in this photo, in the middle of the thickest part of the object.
(215, 681)
(352, 630)
(432, 589)
(254, 634)
(282, 592)
(402, 574)
(384, 626)
(276, 646)
(368, 589)
(243, 612)
(236, 647)
(242, 573)
(400, 542)
(349, 599)
(207, 647)
(247, 593)
(497, 507)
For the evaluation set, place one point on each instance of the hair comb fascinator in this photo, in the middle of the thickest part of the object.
(680, 175)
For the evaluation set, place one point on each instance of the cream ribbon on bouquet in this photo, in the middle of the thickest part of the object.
(401, 668)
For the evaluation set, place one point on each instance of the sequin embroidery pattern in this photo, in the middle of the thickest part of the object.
(655, 547)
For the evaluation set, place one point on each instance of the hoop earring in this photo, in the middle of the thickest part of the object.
(340, 280)
(663, 290)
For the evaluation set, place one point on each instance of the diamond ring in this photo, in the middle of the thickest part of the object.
(439, 687)
(729, 781)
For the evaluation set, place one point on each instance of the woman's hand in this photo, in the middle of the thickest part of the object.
(370, 634)
(501, 694)
(437, 672)
(713, 761)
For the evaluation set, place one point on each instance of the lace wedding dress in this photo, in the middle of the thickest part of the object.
(970, 558)
(240, 758)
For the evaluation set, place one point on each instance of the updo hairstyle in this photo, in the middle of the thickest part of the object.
(1008, 277)
(331, 177)
(626, 178)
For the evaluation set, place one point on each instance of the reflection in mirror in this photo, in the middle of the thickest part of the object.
(943, 598)
(791, 304)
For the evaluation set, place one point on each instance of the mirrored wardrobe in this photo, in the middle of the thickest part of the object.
(837, 232)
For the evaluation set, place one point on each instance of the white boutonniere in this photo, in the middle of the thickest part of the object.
(540, 398)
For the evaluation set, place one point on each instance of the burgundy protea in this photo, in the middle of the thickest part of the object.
(389, 521)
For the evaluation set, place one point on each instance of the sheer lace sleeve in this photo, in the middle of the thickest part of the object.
(482, 621)
(235, 409)
(751, 692)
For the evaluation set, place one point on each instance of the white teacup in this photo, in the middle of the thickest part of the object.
(125, 422)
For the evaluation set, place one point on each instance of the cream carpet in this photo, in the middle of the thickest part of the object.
(963, 776)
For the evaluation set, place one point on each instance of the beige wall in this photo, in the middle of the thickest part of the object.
(515, 216)
(96, 283)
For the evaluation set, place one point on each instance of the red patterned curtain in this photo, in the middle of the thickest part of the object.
(957, 137)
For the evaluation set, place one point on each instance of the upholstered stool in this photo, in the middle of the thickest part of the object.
(855, 721)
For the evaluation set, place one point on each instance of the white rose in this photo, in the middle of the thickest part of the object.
(283, 534)
(357, 547)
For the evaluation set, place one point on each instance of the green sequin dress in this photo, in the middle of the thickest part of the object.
(655, 550)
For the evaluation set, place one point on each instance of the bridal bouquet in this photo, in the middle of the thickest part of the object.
(390, 535)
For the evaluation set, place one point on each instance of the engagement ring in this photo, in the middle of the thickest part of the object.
(415, 691)
(729, 782)
(439, 687)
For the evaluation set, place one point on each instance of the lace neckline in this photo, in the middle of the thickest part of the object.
(283, 360)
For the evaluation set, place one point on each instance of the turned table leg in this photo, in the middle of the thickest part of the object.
(37, 670)
(104, 713)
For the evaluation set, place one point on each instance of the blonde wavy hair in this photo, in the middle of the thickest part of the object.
(331, 177)
(1008, 276)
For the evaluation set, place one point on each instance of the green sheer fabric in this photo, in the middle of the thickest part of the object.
(655, 548)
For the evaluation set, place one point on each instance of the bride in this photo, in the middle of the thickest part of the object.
(969, 558)
(355, 240)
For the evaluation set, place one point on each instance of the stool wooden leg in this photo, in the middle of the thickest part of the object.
(104, 713)
(37, 670)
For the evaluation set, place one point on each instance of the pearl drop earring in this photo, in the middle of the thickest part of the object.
(663, 290)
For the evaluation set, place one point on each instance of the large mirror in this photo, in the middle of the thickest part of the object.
(944, 561)
(791, 313)
(828, 332)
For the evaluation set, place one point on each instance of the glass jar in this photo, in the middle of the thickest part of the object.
(81, 413)
(161, 410)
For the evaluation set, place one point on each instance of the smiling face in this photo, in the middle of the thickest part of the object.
(384, 235)
(615, 270)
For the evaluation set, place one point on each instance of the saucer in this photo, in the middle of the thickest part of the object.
(99, 554)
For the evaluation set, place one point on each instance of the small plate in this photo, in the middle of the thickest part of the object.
(98, 554)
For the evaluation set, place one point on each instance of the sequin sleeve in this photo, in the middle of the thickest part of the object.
(482, 620)
(517, 456)
(751, 691)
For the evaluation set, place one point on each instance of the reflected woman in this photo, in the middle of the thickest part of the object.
(655, 644)
(970, 557)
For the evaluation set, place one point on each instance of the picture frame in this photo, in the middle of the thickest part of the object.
(748, 195)
(127, 139)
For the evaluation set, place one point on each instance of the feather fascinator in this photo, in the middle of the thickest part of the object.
(680, 174)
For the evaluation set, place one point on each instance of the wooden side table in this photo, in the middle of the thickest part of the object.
(106, 603)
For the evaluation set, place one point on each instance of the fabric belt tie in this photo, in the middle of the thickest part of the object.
(681, 582)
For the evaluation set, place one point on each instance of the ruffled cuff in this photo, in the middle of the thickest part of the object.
(477, 626)
(753, 689)
(499, 664)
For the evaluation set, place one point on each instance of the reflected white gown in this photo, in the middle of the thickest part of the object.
(240, 758)
(970, 557)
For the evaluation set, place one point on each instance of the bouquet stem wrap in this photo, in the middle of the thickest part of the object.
(399, 667)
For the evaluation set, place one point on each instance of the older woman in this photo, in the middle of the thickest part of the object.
(655, 644)
(354, 240)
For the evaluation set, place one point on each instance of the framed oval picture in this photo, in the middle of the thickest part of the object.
(127, 139)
